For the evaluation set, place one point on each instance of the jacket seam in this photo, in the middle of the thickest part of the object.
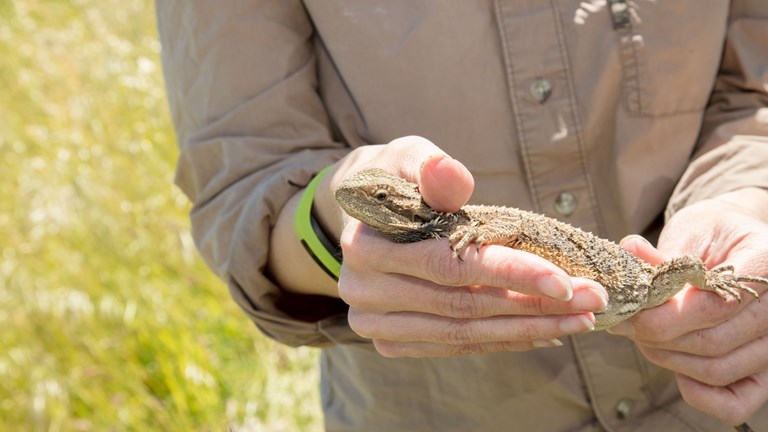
(576, 118)
(597, 409)
(520, 126)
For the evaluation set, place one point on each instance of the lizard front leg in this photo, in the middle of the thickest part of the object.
(671, 276)
(484, 230)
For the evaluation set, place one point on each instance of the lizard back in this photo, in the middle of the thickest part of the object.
(394, 207)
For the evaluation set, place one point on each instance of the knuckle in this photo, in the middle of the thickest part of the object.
(404, 146)
(709, 343)
(388, 349)
(528, 330)
(718, 372)
(518, 347)
(351, 245)
(351, 293)
(468, 349)
(534, 305)
(482, 348)
(360, 323)
(726, 409)
(446, 269)
(736, 413)
(459, 304)
(514, 346)
(459, 332)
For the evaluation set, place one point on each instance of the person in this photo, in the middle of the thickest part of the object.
(617, 117)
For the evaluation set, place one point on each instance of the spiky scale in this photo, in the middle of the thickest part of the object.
(395, 208)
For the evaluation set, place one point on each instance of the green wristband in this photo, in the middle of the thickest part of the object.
(311, 235)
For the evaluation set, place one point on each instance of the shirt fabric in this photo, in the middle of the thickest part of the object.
(551, 106)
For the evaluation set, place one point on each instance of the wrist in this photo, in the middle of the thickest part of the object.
(751, 201)
(289, 264)
(325, 209)
(695, 228)
(311, 234)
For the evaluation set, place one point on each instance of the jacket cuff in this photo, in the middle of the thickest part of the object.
(736, 165)
(299, 319)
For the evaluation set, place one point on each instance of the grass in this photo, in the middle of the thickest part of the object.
(109, 319)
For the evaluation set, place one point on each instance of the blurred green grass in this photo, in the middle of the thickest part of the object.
(108, 318)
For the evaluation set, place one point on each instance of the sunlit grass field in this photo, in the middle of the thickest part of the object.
(109, 321)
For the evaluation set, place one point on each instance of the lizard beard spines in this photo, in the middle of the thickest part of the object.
(439, 225)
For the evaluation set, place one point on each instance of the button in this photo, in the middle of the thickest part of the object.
(620, 14)
(624, 408)
(541, 89)
(565, 203)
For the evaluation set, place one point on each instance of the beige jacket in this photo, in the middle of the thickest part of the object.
(551, 108)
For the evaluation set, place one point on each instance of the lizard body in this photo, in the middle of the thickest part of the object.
(394, 208)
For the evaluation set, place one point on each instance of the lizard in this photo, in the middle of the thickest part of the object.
(394, 207)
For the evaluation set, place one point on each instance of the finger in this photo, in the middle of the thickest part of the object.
(750, 323)
(404, 293)
(492, 265)
(733, 404)
(419, 327)
(688, 311)
(445, 183)
(641, 248)
(392, 349)
(742, 362)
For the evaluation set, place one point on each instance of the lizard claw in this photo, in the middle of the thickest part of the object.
(458, 253)
(460, 241)
(727, 285)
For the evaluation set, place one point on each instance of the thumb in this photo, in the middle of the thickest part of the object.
(642, 248)
(445, 183)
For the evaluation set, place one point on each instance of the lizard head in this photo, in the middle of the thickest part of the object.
(388, 204)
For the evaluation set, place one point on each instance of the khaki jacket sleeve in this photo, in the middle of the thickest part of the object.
(732, 151)
(252, 130)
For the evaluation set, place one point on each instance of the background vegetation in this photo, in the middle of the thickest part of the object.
(108, 319)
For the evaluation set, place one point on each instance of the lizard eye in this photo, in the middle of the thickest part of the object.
(381, 195)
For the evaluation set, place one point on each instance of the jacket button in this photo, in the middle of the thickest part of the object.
(540, 90)
(624, 408)
(565, 203)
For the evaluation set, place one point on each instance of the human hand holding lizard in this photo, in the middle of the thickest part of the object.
(418, 300)
(718, 350)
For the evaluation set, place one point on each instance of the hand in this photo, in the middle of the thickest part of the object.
(419, 300)
(719, 350)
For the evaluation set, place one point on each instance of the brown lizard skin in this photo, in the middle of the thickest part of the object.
(394, 208)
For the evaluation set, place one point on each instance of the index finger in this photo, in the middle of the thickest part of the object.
(492, 265)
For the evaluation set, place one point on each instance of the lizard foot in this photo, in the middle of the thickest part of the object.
(462, 238)
(465, 237)
(726, 284)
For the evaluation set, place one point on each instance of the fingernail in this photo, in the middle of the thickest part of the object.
(634, 237)
(593, 299)
(556, 286)
(622, 329)
(576, 324)
(434, 159)
(547, 343)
